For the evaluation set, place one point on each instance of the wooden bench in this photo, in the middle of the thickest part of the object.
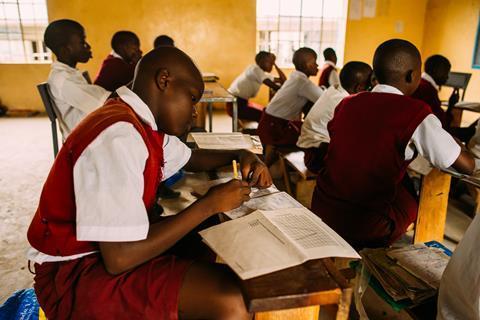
(304, 180)
(297, 293)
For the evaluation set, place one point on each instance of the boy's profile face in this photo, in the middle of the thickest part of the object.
(131, 52)
(441, 75)
(267, 63)
(311, 66)
(78, 48)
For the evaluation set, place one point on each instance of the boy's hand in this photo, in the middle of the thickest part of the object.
(228, 196)
(254, 171)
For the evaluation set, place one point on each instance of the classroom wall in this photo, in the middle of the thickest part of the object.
(218, 34)
(451, 26)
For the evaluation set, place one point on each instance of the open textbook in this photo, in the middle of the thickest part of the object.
(226, 141)
(267, 241)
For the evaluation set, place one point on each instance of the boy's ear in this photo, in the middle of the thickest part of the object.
(409, 76)
(162, 79)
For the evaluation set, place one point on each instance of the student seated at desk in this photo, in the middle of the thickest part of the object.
(329, 74)
(355, 77)
(246, 85)
(281, 120)
(118, 68)
(73, 95)
(363, 190)
(163, 40)
(99, 247)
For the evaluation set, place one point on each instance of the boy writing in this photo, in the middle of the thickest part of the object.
(355, 77)
(362, 192)
(281, 120)
(96, 254)
(246, 85)
(118, 68)
(73, 95)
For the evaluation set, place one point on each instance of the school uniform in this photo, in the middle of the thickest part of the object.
(459, 295)
(328, 75)
(362, 192)
(281, 120)
(427, 91)
(73, 95)
(102, 187)
(114, 72)
(245, 87)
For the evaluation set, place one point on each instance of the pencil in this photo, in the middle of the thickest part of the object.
(235, 171)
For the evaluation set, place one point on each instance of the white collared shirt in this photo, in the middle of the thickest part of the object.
(314, 128)
(429, 79)
(429, 139)
(247, 84)
(108, 181)
(333, 78)
(73, 95)
(290, 99)
(459, 295)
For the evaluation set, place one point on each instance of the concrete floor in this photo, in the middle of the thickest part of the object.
(25, 159)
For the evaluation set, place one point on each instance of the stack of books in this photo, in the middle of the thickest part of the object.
(410, 273)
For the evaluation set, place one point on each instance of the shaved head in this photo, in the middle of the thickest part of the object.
(393, 59)
(355, 74)
(169, 82)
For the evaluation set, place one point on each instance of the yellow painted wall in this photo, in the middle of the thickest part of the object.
(218, 34)
(394, 19)
(451, 26)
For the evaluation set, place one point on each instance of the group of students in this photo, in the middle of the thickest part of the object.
(101, 248)
(365, 127)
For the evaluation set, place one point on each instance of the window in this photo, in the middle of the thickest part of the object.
(286, 25)
(22, 24)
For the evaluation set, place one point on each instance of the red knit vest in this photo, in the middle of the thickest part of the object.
(427, 93)
(53, 228)
(365, 161)
(326, 70)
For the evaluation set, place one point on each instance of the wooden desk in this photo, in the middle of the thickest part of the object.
(214, 92)
(457, 111)
(432, 208)
(298, 292)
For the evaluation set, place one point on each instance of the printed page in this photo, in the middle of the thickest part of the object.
(263, 199)
(310, 234)
(222, 141)
(252, 246)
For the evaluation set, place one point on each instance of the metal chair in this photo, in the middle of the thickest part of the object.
(53, 114)
(458, 80)
(86, 75)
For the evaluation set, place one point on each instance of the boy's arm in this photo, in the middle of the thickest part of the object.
(85, 97)
(271, 84)
(119, 257)
(282, 78)
(252, 167)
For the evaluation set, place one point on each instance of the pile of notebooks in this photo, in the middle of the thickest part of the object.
(410, 273)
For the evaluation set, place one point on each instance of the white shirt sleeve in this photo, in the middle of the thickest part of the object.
(310, 91)
(333, 78)
(259, 75)
(175, 155)
(474, 143)
(85, 97)
(434, 143)
(108, 182)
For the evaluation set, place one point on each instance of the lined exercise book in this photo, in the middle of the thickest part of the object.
(267, 241)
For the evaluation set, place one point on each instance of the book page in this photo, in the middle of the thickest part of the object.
(264, 199)
(252, 246)
(202, 189)
(310, 234)
(222, 141)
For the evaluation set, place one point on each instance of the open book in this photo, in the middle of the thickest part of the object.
(267, 241)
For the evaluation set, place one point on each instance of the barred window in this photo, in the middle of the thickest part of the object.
(286, 25)
(22, 24)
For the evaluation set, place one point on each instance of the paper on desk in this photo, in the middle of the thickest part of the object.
(267, 241)
(202, 189)
(264, 199)
(420, 165)
(222, 141)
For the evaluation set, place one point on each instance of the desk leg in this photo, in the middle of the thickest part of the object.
(235, 116)
(432, 209)
(307, 313)
(210, 121)
(456, 117)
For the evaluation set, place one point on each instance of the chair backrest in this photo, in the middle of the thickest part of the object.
(86, 75)
(458, 80)
(53, 114)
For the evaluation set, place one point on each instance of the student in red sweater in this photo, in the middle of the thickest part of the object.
(329, 74)
(362, 192)
(100, 250)
(118, 68)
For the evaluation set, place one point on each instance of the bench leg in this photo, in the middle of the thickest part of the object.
(432, 208)
(456, 117)
(304, 192)
(307, 313)
(286, 175)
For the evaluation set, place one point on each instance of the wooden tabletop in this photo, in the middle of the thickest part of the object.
(214, 92)
(315, 282)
